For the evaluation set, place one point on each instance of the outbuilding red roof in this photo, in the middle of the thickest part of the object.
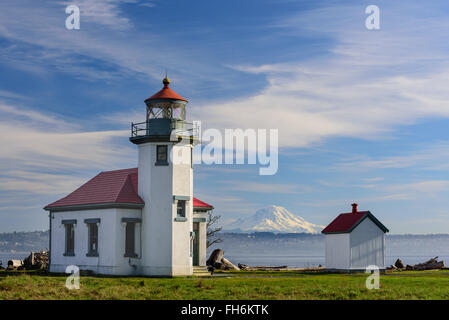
(166, 93)
(346, 222)
(109, 187)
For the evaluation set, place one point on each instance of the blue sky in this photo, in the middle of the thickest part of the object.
(362, 115)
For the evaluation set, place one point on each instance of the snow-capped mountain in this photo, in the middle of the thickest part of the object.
(273, 219)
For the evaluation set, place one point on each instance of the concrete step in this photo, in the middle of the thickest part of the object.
(200, 271)
(202, 274)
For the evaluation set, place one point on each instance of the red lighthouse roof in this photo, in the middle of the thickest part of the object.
(166, 93)
(346, 222)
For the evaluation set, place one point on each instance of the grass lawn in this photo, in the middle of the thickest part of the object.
(232, 285)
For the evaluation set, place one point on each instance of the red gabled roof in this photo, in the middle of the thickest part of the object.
(346, 222)
(166, 93)
(200, 204)
(118, 186)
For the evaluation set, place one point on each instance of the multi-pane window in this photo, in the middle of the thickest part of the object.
(161, 155)
(93, 239)
(130, 245)
(69, 239)
(181, 208)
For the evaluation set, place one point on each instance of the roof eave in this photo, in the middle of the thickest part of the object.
(164, 99)
(203, 208)
(336, 232)
(95, 206)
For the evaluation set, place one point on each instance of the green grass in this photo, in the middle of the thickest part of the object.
(232, 285)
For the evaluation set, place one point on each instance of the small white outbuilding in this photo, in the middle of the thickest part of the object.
(355, 241)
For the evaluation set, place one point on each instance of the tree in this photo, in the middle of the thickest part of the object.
(212, 229)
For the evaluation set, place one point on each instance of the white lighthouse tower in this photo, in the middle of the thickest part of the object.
(165, 183)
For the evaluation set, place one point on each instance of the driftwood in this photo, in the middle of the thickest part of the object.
(14, 264)
(218, 261)
(228, 265)
(261, 268)
(429, 265)
(36, 260)
(215, 258)
(432, 264)
(399, 264)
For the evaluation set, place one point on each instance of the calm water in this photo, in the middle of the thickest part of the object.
(305, 261)
(5, 256)
(296, 252)
(310, 252)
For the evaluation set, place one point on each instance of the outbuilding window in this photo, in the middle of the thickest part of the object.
(161, 155)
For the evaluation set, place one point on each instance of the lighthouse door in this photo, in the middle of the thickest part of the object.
(196, 242)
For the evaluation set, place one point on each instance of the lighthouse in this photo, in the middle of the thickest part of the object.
(138, 221)
(165, 164)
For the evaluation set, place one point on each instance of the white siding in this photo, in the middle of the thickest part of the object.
(182, 186)
(126, 265)
(166, 242)
(367, 245)
(110, 258)
(155, 188)
(337, 251)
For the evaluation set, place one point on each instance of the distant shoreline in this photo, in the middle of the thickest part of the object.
(319, 234)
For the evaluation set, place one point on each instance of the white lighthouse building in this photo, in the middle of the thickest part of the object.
(142, 220)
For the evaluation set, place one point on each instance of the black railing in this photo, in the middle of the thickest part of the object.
(138, 128)
(176, 128)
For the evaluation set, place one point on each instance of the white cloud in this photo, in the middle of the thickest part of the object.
(427, 187)
(433, 156)
(105, 12)
(38, 42)
(41, 153)
(367, 85)
(272, 188)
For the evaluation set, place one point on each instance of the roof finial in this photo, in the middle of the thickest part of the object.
(166, 80)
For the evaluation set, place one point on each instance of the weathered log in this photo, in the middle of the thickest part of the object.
(215, 258)
(242, 266)
(14, 264)
(262, 268)
(429, 264)
(399, 264)
(36, 260)
(392, 267)
(228, 264)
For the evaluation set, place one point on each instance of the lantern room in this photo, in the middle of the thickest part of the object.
(165, 118)
(166, 104)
